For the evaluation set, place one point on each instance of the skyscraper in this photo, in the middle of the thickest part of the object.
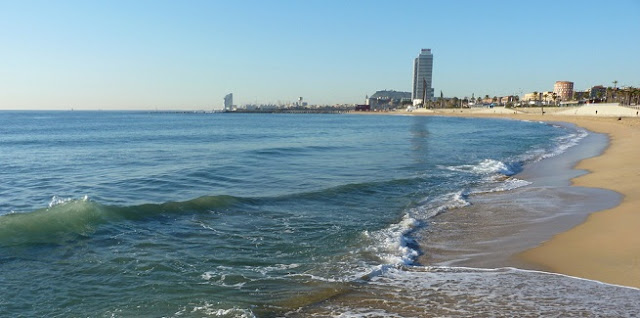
(422, 75)
(228, 102)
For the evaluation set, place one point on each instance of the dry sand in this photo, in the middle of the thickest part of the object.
(606, 247)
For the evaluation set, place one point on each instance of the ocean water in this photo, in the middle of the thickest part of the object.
(133, 214)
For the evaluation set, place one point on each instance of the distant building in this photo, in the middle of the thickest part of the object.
(539, 97)
(422, 76)
(504, 100)
(386, 99)
(581, 95)
(530, 96)
(598, 92)
(391, 95)
(564, 90)
(228, 102)
(268, 107)
(547, 97)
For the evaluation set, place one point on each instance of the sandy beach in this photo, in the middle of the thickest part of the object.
(606, 247)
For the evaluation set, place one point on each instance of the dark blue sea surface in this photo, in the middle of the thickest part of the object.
(134, 214)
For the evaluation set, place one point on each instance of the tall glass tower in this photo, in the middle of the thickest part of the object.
(228, 102)
(422, 75)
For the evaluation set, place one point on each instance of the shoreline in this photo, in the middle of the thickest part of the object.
(497, 226)
(605, 247)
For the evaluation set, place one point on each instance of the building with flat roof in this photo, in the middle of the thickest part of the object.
(422, 77)
(387, 99)
(564, 90)
(228, 102)
(391, 94)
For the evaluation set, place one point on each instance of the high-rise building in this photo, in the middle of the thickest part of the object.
(422, 75)
(564, 90)
(228, 102)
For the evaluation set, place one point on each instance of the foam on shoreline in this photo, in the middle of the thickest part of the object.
(498, 225)
(606, 246)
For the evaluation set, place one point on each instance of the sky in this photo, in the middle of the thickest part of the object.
(186, 55)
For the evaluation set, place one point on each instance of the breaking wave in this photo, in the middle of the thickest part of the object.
(67, 218)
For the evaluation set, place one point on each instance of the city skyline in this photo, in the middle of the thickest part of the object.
(188, 55)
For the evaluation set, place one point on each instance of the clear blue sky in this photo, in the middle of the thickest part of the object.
(188, 54)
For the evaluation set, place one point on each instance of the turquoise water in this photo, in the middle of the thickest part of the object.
(126, 214)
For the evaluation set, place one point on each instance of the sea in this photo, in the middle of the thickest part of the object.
(157, 214)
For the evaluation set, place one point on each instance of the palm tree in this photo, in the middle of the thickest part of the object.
(636, 94)
(615, 95)
(615, 84)
(554, 96)
(630, 92)
(626, 95)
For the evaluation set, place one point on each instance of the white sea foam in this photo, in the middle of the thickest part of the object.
(56, 200)
(484, 167)
(394, 245)
(566, 142)
(278, 267)
(507, 184)
(437, 291)
(391, 244)
(561, 145)
(431, 207)
(497, 175)
(213, 310)
(225, 280)
(511, 184)
(317, 278)
(225, 276)
(347, 312)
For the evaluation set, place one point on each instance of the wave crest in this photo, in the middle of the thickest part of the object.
(68, 218)
(484, 167)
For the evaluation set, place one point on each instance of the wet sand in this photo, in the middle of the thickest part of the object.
(606, 246)
(498, 225)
